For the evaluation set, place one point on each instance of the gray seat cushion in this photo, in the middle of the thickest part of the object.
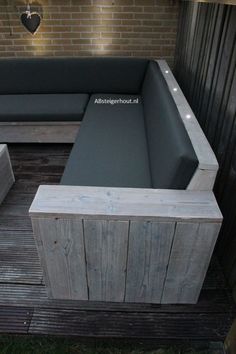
(42, 107)
(172, 157)
(72, 75)
(111, 147)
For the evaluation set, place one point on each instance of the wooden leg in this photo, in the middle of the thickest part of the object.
(6, 173)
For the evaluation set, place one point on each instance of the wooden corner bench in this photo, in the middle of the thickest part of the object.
(120, 244)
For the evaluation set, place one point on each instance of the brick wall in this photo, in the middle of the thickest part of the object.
(144, 28)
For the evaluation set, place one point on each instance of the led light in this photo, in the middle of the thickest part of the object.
(167, 72)
(188, 116)
(175, 89)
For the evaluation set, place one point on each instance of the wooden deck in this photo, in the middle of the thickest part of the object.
(24, 307)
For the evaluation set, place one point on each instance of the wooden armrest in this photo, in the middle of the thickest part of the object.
(125, 203)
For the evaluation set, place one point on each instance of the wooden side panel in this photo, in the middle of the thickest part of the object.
(61, 246)
(190, 256)
(6, 173)
(106, 245)
(124, 261)
(148, 257)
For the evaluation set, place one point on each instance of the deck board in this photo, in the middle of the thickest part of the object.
(210, 302)
(15, 320)
(126, 325)
(22, 289)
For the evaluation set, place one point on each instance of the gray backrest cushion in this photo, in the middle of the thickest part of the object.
(72, 75)
(172, 157)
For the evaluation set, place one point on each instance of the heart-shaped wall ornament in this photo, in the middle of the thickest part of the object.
(30, 20)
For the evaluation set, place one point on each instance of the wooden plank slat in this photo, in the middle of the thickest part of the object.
(15, 210)
(19, 262)
(18, 274)
(14, 198)
(213, 73)
(211, 68)
(11, 223)
(223, 2)
(61, 247)
(223, 79)
(76, 322)
(189, 259)
(125, 203)
(106, 244)
(27, 295)
(211, 301)
(15, 319)
(24, 186)
(17, 238)
(149, 251)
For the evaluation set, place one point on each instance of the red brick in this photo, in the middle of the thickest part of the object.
(92, 27)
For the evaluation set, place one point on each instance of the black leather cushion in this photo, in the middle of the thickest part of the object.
(111, 147)
(172, 157)
(43, 107)
(72, 75)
